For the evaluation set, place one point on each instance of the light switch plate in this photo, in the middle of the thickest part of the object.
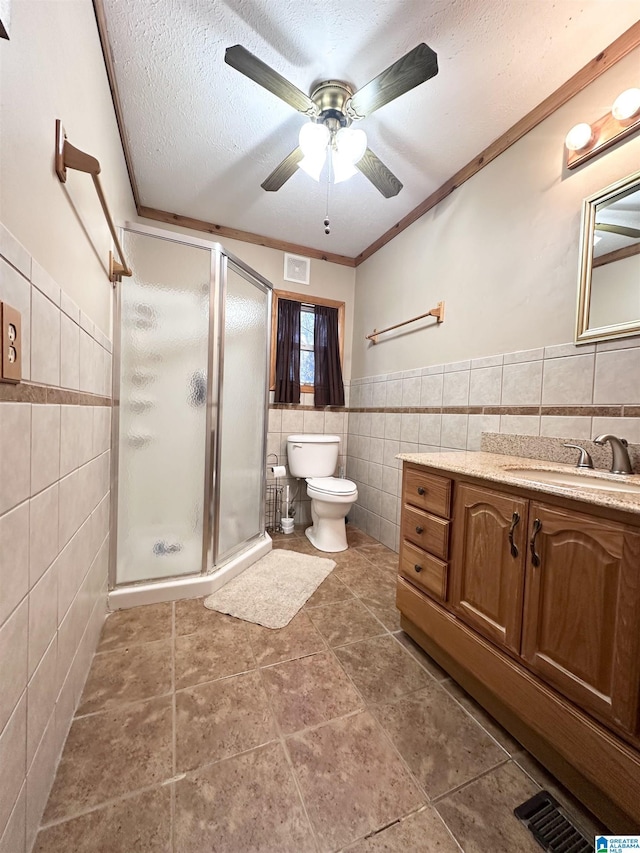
(11, 326)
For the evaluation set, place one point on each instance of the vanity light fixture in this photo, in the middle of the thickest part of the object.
(584, 140)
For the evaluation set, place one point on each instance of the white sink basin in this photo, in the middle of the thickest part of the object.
(585, 481)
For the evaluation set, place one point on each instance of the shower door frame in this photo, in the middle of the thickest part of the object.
(219, 257)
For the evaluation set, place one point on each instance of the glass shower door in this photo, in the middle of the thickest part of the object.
(243, 408)
(162, 438)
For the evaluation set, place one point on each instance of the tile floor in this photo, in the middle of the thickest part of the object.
(198, 732)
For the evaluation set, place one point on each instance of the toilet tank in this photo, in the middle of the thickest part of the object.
(312, 455)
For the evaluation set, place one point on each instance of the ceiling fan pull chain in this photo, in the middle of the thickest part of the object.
(327, 223)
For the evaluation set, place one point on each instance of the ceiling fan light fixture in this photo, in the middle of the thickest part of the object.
(626, 105)
(342, 167)
(313, 164)
(579, 137)
(351, 143)
(314, 139)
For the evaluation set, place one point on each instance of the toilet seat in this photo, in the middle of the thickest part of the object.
(332, 486)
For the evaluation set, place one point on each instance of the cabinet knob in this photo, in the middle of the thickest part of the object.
(419, 530)
(417, 568)
(421, 490)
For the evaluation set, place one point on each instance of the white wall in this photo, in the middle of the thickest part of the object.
(53, 68)
(501, 251)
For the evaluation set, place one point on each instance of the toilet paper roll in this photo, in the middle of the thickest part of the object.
(278, 470)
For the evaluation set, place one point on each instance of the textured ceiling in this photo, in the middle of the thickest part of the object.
(202, 137)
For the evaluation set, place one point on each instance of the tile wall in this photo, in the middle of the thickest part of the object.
(564, 391)
(54, 529)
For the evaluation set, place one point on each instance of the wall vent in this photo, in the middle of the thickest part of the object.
(297, 268)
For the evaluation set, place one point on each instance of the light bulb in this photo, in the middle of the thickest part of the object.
(626, 105)
(312, 164)
(343, 168)
(579, 137)
(313, 138)
(351, 143)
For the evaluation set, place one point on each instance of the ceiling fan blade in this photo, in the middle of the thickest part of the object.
(255, 69)
(623, 230)
(283, 172)
(415, 67)
(374, 169)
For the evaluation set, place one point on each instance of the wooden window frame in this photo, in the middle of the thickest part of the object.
(305, 300)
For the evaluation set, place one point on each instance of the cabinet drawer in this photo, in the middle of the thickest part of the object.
(426, 531)
(427, 491)
(423, 570)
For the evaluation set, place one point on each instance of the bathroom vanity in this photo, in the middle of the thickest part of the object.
(522, 579)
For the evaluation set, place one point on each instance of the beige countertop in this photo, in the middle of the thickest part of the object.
(520, 471)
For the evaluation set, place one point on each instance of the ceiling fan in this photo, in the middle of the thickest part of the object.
(331, 108)
(623, 230)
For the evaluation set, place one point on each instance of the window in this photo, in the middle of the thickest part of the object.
(307, 328)
(307, 357)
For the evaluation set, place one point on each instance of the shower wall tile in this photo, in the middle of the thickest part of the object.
(54, 522)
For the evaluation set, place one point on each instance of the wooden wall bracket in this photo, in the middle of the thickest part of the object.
(67, 156)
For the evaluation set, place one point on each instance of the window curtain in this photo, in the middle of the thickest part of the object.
(288, 352)
(328, 385)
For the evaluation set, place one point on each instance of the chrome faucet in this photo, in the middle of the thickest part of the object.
(585, 460)
(620, 464)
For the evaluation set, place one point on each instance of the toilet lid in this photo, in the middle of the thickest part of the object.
(332, 485)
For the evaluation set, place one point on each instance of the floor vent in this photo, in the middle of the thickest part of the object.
(547, 822)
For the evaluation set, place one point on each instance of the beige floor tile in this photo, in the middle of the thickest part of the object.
(385, 612)
(295, 640)
(352, 781)
(245, 804)
(330, 590)
(345, 622)
(442, 745)
(480, 815)
(349, 560)
(204, 656)
(420, 831)
(483, 717)
(380, 556)
(220, 719)
(381, 669)
(192, 616)
(421, 656)
(110, 754)
(309, 691)
(357, 537)
(368, 582)
(127, 675)
(138, 824)
(136, 625)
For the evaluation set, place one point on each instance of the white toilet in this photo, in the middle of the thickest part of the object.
(314, 457)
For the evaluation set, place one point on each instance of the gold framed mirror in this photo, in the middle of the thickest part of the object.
(609, 274)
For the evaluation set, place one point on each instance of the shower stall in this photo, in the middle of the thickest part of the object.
(192, 342)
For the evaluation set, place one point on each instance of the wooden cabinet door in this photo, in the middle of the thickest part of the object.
(581, 628)
(488, 560)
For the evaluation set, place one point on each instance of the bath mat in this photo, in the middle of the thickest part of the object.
(272, 590)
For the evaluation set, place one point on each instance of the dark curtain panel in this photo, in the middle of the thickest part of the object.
(328, 386)
(288, 352)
